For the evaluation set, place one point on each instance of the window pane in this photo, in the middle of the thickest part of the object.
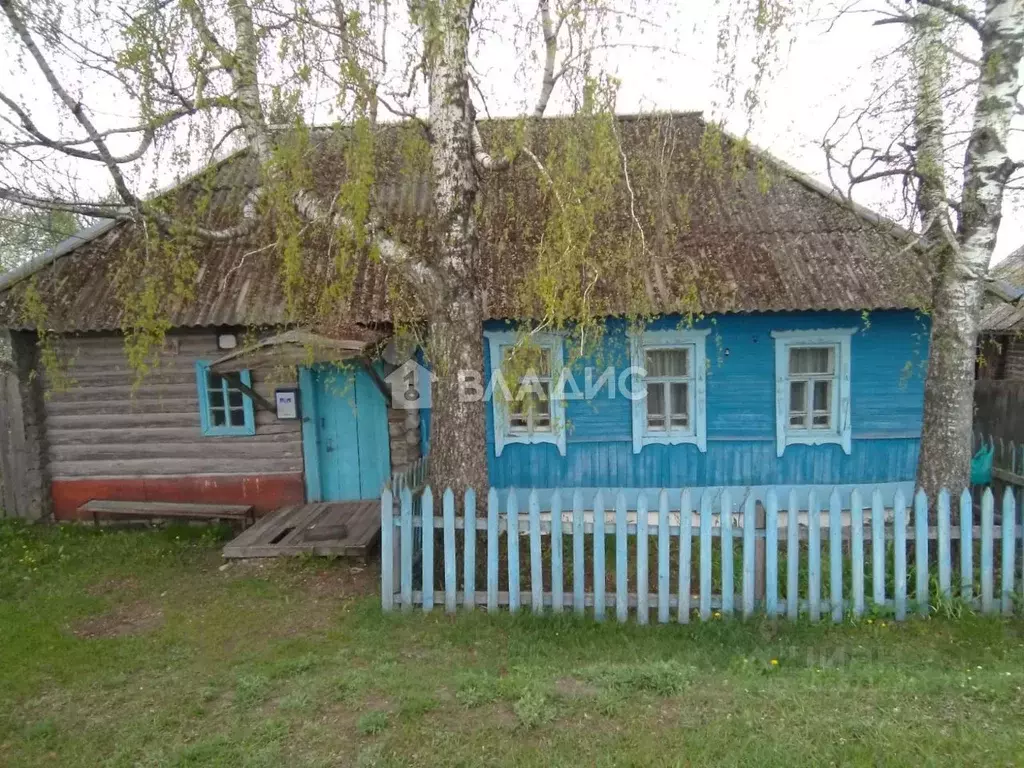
(541, 412)
(214, 381)
(237, 416)
(680, 405)
(234, 398)
(804, 360)
(798, 404)
(218, 416)
(668, 362)
(823, 395)
(526, 360)
(822, 420)
(216, 398)
(656, 406)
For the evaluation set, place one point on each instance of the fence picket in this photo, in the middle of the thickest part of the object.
(987, 504)
(536, 565)
(705, 555)
(664, 589)
(921, 551)
(835, 555)
(899, 559)
(945, 567)
(813, 557)
(857, 552)
(448, 513)
(792, 557)
(728, 587)
(469, 550)
(749, 524)
(877, 548)
(771, 554)
(387, 556)
(643, 532)
(406, 549)
(599, 557)
(492, 551)
(512, 510)
(556, 552)
(427, 524)
(685, 555)
(966, 546)
(579, 573)
(1006, 563)
(621, 559)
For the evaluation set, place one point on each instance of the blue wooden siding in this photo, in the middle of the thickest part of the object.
(888, 352)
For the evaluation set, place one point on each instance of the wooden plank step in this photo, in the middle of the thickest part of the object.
(109, 507)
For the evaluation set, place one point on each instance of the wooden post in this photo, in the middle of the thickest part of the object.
(759, 555)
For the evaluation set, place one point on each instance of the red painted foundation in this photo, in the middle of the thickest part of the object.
(264, 492)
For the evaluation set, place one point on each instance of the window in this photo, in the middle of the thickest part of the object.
(528, 409)
(223, 408)
(812, 391)
(673, 365)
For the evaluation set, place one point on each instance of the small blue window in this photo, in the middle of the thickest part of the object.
(223, 408)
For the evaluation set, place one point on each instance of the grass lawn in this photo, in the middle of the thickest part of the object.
(136, 648)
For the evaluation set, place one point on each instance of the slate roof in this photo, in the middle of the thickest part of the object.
(1000, 316)
(754, 236)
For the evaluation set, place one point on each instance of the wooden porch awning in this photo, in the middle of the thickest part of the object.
(296, 347)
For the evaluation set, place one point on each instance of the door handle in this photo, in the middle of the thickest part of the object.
(330, 446)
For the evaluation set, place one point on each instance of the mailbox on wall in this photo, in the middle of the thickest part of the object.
(286, 401)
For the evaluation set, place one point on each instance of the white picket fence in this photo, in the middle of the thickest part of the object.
(585, 555)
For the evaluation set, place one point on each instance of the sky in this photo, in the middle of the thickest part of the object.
(674, 66)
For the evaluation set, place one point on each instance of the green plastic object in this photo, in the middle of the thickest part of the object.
(981, 466)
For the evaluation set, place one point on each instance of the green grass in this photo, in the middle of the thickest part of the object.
(134, 648)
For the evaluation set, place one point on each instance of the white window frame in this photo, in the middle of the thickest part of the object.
(696, 342)
(841, 432)
(503, 435)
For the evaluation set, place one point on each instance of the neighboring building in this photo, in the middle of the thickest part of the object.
(804, 367)
(1001, 341)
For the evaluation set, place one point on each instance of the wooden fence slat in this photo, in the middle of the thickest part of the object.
(835, 556)
(728, 588)
(427, 515)
(387, 551)
(792, 557)
(579, 586)
(643, 532)
(857, 553)
(966, 546)
(536, 565)
(469, 552)
(877, 548)
(600, 608)
(621, 559)
(813, 557)
(945, 566)
(771, 559)
(685, 555)
(987, 504)
(492, 551)
(512, 513)
(749, 523)
(664, 585)
(556, 552)
(448, 513)
(405, 551)
(1006, 563)
(899, 559)
(705, 555)
(921, 551)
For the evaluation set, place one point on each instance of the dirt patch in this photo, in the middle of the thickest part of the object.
(115, 586)
(131, 619)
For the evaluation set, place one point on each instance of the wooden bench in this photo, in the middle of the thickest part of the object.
(168, 509)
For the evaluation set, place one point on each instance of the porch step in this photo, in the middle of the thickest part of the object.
(341, 529)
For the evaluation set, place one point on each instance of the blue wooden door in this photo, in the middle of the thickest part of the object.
(350, 420)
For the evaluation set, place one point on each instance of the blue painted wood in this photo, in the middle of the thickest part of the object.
(749, 523)
(448, 523)
(685, 555)
(966, 546)
(664, 583)
(771, 555)
(728, 587)
(877, 549)
(427, 574)
(792, 557)
(621, 560)
(405, 552)
(492, 551)
(835, 556)
(643, 533)
(857, 553)
(557, 599)
(579, 585)
(599, 557)
(921, 551)
(373, 442)
(387, 548)
(899, 560)
(536, 565)
(469, 553)
(310, 435)
(987, 565)
(705, 556)
(1006, 563)
(813, 557)
(942, 534)
(512, 516)
(210, 387)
